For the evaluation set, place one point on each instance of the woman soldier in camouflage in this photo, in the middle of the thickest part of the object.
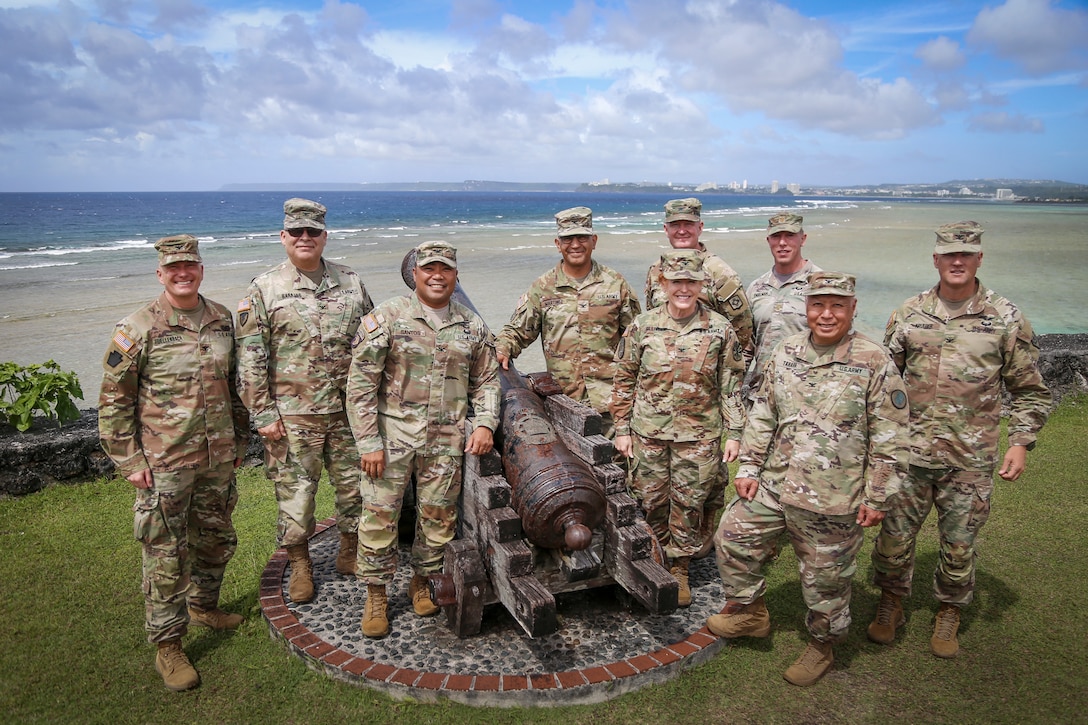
(676, 391)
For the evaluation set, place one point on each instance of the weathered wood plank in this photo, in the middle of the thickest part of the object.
(578, 418)
(622, 510)
(501, 525)
(594, 449)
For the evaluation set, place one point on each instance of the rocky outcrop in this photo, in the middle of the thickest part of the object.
(1063, 360)
(48, 454)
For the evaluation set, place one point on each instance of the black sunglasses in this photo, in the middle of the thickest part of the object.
(309, 231)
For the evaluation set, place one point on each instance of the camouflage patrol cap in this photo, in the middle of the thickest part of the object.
(785, 222)
(575, 221)
(679, 209)
(303, 214)
(959, 237)
(682, 264)
(830, 283)
(436, 252)
(178, 248)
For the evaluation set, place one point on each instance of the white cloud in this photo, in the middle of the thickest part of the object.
(1040, 36)
(941, 53)
(769, 58)
(1005, 122)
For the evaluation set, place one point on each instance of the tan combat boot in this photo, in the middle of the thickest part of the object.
(345, 557)
(301, 585)
(889, 618)
(813, 664)
(679, 570)
(421, 596)
(215, 619)
(741, 620)
(944, 643)
(375, 617)
(177, 672)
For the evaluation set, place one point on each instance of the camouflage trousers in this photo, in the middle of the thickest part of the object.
(826, 547)
(963, 505)
(672, 482)
(438, 485)
(294, 464)
(184, 524)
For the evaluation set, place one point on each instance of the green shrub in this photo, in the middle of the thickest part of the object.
(45, 388)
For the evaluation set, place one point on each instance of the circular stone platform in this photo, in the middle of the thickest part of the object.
(606, 645)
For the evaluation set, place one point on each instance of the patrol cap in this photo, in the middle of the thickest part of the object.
(303, 214)
(785, 222)
(680, 209)
(575, 221)
(178, 248)
(830, 283)
(682, 264)
(443, 252)
(959, 237)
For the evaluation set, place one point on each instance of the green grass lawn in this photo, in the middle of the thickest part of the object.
(73, 649)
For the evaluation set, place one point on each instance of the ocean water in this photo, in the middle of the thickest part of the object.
(72, 264)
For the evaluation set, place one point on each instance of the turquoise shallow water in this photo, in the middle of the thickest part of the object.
(73, 264)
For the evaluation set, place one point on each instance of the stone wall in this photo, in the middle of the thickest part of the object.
(46, 454)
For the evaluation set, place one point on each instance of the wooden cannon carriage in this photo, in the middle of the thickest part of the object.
(550, 515)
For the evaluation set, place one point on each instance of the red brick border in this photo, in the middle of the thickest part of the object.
(590, 685)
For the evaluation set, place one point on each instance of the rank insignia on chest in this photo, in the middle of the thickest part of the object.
(583, 306)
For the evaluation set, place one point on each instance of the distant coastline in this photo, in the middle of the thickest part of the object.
(1032, 191)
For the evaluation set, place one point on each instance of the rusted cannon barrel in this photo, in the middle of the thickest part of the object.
(555, 493)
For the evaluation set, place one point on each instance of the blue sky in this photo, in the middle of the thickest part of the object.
(114, 95)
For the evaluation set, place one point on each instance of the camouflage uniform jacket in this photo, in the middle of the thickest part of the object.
(294, 341)
(828, 432)
(168, 399)
(723, 293)
(678, 383)
(954, 369)
(579, 323)
(778, 310)
(411, 385)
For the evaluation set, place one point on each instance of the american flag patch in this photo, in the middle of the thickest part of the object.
(369, 323)
(244, 305)
(123, 341)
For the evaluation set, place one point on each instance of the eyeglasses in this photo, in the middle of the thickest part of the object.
(308, 231)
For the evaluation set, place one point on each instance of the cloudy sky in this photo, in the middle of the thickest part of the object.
(109, 95)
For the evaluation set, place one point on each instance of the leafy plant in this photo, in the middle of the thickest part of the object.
(45, 388)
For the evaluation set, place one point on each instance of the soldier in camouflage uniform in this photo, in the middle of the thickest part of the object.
(295, 327)
(777, 297)
(579, 310)
(170, 418)
(723, 292)
(957, 346)
(419, 364)
(822, 455)
(678, 373)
